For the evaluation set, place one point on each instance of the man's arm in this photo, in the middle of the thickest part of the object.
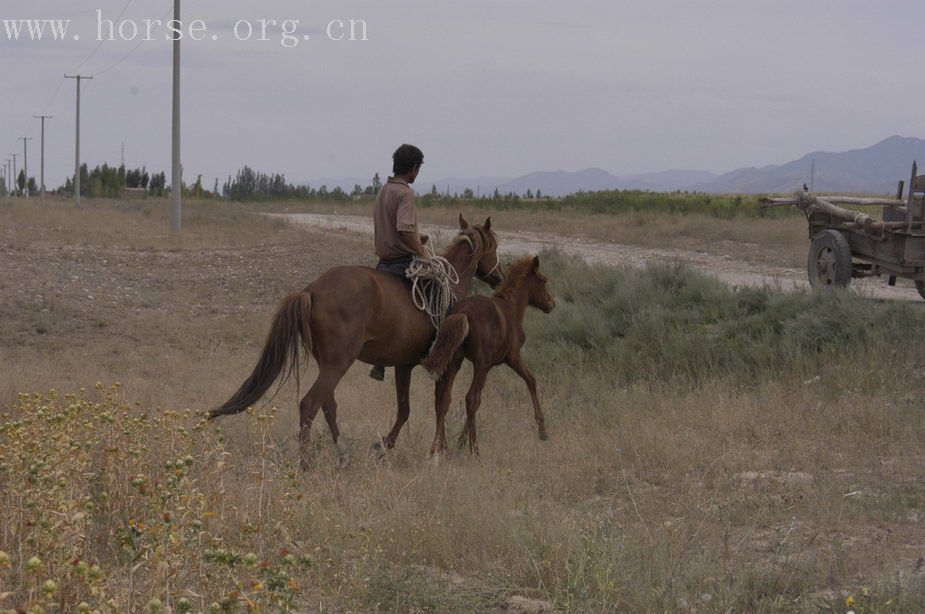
(407, 222)
(413, 241)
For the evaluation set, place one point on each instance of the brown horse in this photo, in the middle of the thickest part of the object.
(357, 313)
(488, 331)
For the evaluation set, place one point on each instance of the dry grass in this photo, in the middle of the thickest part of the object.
(136, 224)
(637, 503)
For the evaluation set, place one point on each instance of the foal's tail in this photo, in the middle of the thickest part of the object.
(291, 323)
(451, 336)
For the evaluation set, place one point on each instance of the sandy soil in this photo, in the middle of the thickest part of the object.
(726, 268)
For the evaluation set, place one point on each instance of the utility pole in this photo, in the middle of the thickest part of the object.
(812, 175)
(176, 179)
(14, 171)
(77, 145)
(42, 177)
(25, 164)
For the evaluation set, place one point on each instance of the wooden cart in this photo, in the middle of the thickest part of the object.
(847, 243)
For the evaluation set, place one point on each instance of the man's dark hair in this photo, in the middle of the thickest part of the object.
(405, 159)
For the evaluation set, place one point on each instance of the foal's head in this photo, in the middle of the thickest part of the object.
(524, 277)
(483, 240)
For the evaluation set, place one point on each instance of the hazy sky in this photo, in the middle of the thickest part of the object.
(484, 87)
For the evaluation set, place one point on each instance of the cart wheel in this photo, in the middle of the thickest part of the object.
(920, 286)
(829, 263)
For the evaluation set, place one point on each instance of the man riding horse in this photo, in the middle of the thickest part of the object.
(352, 313)
(395, 220)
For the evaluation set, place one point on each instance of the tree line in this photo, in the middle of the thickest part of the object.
(106, 181)
(247, 184)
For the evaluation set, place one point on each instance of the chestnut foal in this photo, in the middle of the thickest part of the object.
(488, 331)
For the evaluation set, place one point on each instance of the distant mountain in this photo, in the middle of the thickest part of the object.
(873, 170)
(559, 183)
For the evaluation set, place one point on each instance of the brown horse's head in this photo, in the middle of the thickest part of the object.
(524, 277)
(484, 241)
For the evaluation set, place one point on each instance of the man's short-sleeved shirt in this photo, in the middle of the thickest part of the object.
(393, 213)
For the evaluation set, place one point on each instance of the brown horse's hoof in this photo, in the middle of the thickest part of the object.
(381, 450)
(544, 436)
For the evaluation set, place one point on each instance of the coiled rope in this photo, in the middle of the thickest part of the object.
(432, 284)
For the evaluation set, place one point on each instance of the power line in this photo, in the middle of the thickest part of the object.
(132, 51)
(54, 96)
(102, 40)
(27, 129)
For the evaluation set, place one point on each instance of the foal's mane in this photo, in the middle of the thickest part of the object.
(516, 276)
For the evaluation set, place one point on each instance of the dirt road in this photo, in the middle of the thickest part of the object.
(729, 270)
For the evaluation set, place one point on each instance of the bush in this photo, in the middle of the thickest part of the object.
(666, 322)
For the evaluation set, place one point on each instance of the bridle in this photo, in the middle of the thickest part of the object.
(477, 256)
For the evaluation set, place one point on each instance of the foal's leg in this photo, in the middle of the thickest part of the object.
(402, 391)
(473, 400)
(321, 392)
(443, 397)
(516, 363)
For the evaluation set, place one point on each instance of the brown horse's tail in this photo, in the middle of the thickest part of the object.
(291, 323)
(451, 336)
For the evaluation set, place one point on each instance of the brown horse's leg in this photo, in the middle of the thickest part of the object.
(516, 363)
(443, 393)
(307, 412)
(473, 400)
(402, 390)
(330, 415)
(321, 393)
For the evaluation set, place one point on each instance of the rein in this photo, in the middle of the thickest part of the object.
(432, 283)
(475, 254)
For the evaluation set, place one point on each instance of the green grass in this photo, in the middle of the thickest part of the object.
(678, 324)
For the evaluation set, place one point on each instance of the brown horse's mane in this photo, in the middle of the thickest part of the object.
(477, 238)
(516, 276)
